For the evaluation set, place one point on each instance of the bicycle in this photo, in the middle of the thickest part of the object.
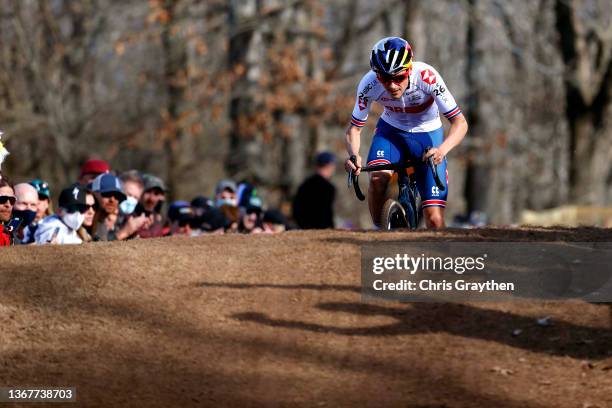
(402, 212)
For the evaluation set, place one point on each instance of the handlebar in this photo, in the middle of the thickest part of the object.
(353, 180)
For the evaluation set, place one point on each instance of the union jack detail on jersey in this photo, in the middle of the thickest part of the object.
(378, 162)
(357, 122)
(433, 203)
(452, 113)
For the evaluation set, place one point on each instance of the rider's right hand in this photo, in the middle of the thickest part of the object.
(350, 166)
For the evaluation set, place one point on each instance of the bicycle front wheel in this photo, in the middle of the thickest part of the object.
(393, 216)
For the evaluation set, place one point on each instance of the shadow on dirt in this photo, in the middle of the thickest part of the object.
(561, 338)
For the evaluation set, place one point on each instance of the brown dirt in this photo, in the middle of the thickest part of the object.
(278, 321)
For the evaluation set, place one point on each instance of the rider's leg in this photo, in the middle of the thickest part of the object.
(434, 217)
(383, 150)
(433, 199)
(377, 194)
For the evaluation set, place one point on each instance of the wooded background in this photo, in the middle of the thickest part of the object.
(199, 90)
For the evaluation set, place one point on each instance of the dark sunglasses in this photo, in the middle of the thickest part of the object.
(4, 199)
(91, 207)
(397, 79)
(110, 194)
(77, 208)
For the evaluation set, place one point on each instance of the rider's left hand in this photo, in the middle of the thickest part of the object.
(437, 154)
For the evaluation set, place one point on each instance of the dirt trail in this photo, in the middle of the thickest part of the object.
(278, 320)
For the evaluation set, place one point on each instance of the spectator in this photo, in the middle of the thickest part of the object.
(250, 221)
(226, 200)
(313, 205)
(154, 195)
(91, 169)
(150, 205)
(109, 193)
(62, 228)
(87, 232)
(213, 221)
(201, 205)
(225, 194)
(7, 201)
(25, 208)
(244, 193)
(133, 186)
(180, 218)
(274, 222)
(45, 207)
(208, 219)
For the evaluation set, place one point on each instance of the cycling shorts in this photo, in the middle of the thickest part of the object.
(391, 145)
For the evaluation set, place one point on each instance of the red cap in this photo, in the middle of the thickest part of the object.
(94, 166)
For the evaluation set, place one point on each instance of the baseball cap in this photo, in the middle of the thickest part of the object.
(94, 166)
(73, 196)
(107, 183)
(225, 185)
(254, 205)
(201, 202)
(274, 217)
(42, 187)
(180, 211)
(325, 158)
(151, 182)
(212, 220)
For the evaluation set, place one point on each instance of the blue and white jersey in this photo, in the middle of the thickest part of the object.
(415, 111)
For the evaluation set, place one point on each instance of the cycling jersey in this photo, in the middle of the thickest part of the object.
(415, 111)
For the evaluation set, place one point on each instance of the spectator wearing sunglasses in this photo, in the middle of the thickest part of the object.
(7, 201)
(87, 232)
(62, 228)
(109, 193)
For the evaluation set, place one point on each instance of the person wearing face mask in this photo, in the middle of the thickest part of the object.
(133, 187)
(62, 228)
(226, 200)
(110, 195)
(44, 209)
(25, 209)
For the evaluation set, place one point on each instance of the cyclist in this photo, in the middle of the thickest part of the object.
(410, 122)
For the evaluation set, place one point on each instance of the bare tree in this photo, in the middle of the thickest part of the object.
(587, 52)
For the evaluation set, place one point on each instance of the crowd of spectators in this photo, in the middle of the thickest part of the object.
(103, 205)
(106, 205)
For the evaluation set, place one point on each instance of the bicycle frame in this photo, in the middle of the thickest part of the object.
(408, 193)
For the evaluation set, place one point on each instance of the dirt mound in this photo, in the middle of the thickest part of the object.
(278, 320)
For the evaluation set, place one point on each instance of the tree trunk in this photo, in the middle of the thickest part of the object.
(587, 99)
(175, 67)
(478, 171)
